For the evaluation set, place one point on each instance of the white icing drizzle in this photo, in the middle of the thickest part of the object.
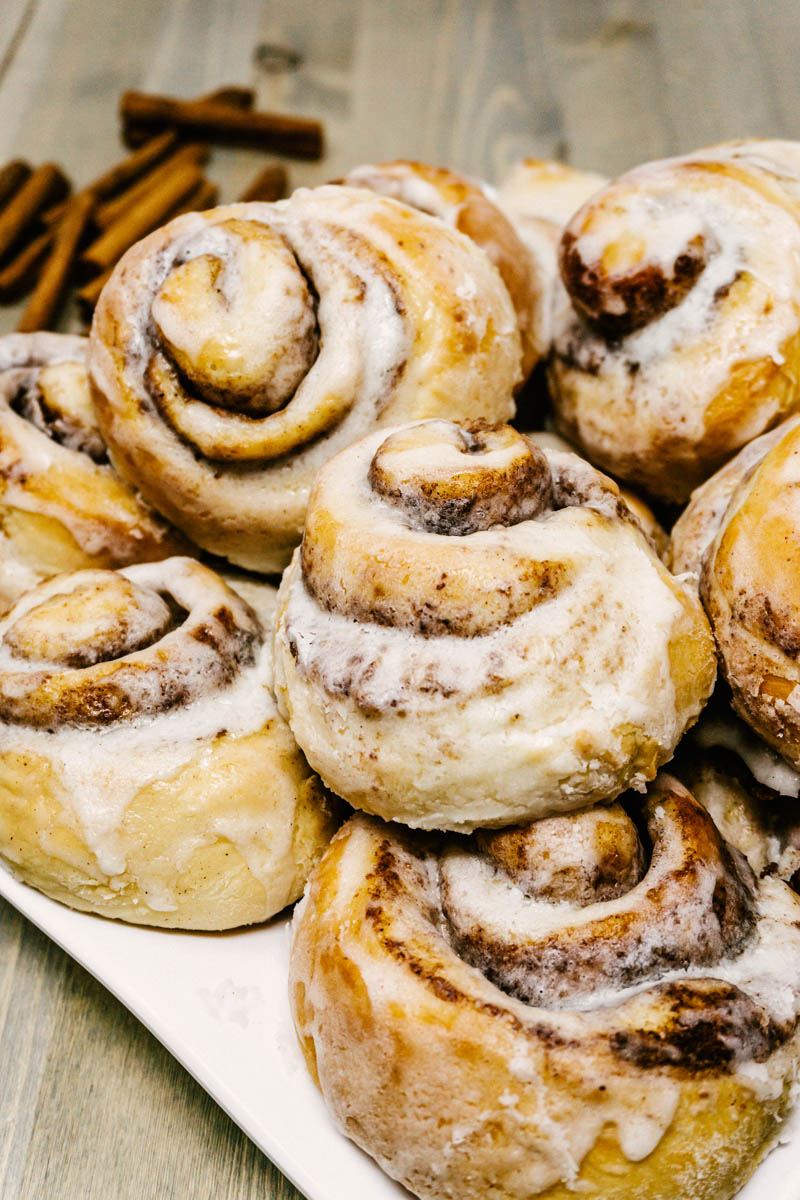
(101, 771)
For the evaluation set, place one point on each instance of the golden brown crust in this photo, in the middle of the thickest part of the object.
(62, 507)
(460, 1089)
(748, 586)
(683, 338)
(699, 523)
(233, 352)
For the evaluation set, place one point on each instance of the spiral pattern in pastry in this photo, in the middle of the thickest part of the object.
(742, 533)
(573, 1007)
(235, 351)
(683, 340)
(62, 507)
(144, 771)
(467, 205)
(476, 631)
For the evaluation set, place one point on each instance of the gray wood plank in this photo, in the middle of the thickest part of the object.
(93, 1106)
(31, 975)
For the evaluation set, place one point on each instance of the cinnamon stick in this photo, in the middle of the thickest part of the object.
(199, 199)
(270, 184)
(238, 97)
(232, 94)
(43, 303)
(20, 275)
(109, 212)
(12, 176)
(134, 223)
(212, 121)
(45, 185)
(122, 173)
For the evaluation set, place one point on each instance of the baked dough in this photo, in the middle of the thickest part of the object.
(476, 632)
(540, 196)
(682, 340)
(144, 771)
(235, 351)
(469, 206)
(484, 1027)
(741, 535)
(62, 507)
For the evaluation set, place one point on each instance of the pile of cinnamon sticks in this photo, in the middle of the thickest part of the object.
(51, 236)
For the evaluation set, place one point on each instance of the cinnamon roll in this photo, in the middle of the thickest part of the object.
(682, 340)
(62, 507)
(144, 771)
(540, 196)
(468, 205)
(741, 532)
(234, 351)
(476, 631)
(603, 1004)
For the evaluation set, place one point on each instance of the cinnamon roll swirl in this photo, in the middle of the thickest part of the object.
(234, 351)
(682, 341)
(62, 507)
(468, 205)
(603, 1004)
(144, 771)
(741, 532)
(476, 631)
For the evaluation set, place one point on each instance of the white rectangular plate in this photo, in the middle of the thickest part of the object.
(219, 1003)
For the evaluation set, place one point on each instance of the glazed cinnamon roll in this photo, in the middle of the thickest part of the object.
(234, 351)
(467, 205)
(540, 196)
(62, 507)
(682, 342)
(741, 533)
(144, 771)
(603, 1004)
(476, 631)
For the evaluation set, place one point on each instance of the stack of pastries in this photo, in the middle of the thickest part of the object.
(554, 946)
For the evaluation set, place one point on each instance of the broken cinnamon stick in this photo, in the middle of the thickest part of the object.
(20, 275)
(12, 176)
(212, 121)
(44, 186)
(43, 304)
(134, 223)
(109, 212)
(270, 184)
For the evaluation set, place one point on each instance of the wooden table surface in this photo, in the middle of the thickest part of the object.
(91, 1106)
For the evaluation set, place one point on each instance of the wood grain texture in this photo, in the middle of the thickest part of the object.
(91, 1106)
